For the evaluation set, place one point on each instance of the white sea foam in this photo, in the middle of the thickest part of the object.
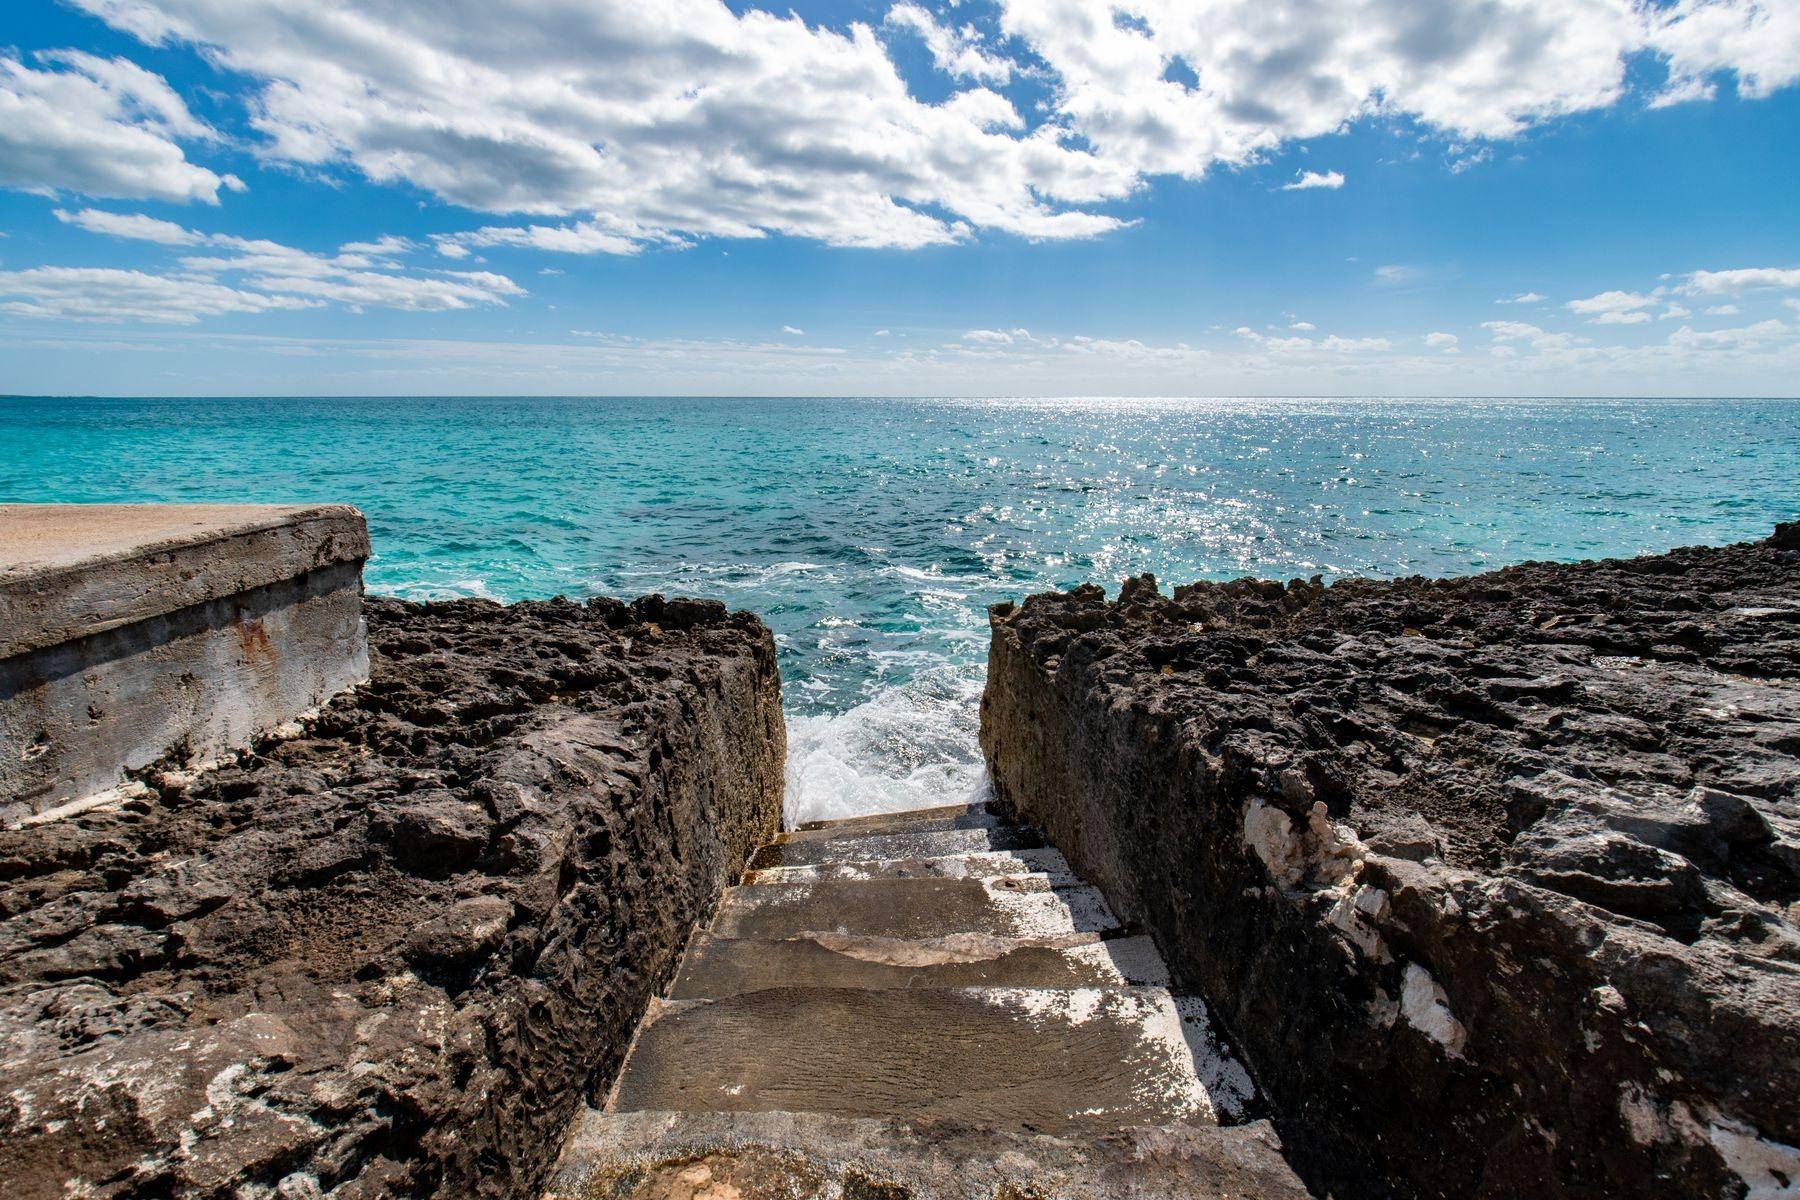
(908, 746)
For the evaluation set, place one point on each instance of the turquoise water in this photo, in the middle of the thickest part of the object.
(871, 534)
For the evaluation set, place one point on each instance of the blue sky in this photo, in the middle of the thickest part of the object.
(1023, 197)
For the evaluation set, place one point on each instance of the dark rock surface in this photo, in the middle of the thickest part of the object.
(1494, 882)
(394, 953)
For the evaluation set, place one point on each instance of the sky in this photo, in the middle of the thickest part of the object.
(1020, 197)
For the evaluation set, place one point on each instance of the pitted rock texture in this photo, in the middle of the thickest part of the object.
(394, 953)
(1494, 881)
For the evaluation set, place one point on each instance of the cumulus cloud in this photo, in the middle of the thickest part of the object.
(680, 119)
(1723, 310)
(1758, 39)
(1443, 341)
(1616, 308)
(1745, 279)
(100, 127)
(1524, 298)
(954, 51)
(793, 331)
(685, 119)
(1309, 180)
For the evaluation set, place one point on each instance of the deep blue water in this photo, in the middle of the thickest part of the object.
(871, 534)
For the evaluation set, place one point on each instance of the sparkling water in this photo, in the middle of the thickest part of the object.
(872, 534)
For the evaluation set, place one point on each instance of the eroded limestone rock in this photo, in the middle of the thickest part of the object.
(1495, 881)
(390, 953)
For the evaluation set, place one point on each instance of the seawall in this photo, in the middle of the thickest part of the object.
(132, 631)
(1494, 882)
(390, 949)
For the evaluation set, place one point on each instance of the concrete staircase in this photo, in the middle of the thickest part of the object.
(927, 1004)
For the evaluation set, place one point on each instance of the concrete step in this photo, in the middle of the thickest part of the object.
(802, 849)
(882, 822)
(985, 864)
(668, 1155)
(717, 967)
(1050, 1060)
(1014, 906)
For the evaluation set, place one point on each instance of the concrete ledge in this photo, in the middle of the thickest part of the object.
(72, 570)
(130, 631)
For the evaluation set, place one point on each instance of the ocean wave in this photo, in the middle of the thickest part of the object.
(908, 746)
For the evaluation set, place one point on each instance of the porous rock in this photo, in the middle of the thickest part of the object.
(394, 954)
(1494, 881)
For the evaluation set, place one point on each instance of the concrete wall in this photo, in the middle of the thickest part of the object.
(128, 632)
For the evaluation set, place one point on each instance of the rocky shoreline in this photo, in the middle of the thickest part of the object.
(1494, 882)
(393, 951)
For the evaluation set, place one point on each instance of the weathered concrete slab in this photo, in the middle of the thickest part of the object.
(127, 631)
(984, 864)
(878, 822)
(759, 1156)
(1052, 1060)
(799, 850)
(925, 820)
(717, 967)
(1009, 906)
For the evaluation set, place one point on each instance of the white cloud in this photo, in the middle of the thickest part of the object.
(1314, 179)
(1446, 342)
(1616, 308)
(956, 52)
(1524, 298)
(275, 275)
(883, 333)
(1758, 39)
(684, 119)
(583, 237)
(1332, 344)
(1725, 310)
(1760, 334)
(1509, 333)
(1746, 279)
(995, 337)
(134, 226)
(105, 294)
(1303, 326)
(1270, 71)
(791, 330)
(386, 244)
(679, 119)
(1674, 312)
(100, 127)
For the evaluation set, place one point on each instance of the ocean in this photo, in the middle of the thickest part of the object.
(871, 534)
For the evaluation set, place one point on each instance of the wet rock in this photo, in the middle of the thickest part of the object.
(392, 952)
(1492, 880)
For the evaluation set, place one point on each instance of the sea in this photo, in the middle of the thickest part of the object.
(872, 534)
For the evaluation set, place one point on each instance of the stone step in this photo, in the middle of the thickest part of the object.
(879, 822)
(1050, 1060)
(802, 850)
(1014, 906)
(716, 967)
(664, 1155)
(984, 864)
